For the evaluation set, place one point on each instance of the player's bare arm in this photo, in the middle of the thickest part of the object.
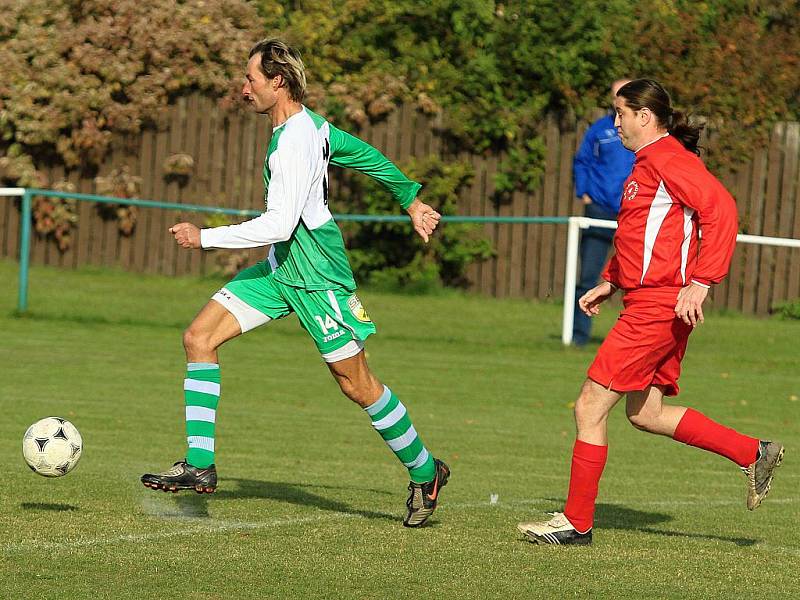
(590, 302)
(689, 307)
(424, 218)
(186, 235)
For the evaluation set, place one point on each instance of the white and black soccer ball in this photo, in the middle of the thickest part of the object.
(52, 447)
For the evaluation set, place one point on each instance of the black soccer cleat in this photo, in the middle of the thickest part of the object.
(423, 497)
(558, 531)
(760, 473)
(183, 476)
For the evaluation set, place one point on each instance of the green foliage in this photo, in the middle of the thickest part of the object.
(391, 255)
(788, 310)
(735, 63)
(522, 167)
(76, 72)
(494, 70)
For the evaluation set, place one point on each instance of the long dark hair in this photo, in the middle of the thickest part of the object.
(648, 93)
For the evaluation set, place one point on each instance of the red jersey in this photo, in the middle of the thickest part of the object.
(669, 198)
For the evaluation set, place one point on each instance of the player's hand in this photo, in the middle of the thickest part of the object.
(590, 302)
(424, 219)
(186, 234)
(689, 307)
(586, 199)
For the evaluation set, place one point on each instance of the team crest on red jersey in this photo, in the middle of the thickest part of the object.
(630, 191)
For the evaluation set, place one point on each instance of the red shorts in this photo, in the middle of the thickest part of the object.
(646, 345)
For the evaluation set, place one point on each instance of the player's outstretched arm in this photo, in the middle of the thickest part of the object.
(424, 218)
(186, 234)
(590, 302)
(352, 153)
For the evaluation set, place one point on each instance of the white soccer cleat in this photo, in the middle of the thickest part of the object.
(557, 531)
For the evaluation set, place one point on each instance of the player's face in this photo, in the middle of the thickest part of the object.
(627, 123)
(258, 92)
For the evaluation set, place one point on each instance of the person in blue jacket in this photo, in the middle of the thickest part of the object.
(600, 168)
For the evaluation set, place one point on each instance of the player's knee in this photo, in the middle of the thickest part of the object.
(588, 411)
(196, 341)
(641, 420)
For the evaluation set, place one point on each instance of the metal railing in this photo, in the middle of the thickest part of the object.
(27, 195)
(574, 225)
(571, 269)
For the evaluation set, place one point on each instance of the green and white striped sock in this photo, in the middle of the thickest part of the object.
(201, 393)
(391, 420)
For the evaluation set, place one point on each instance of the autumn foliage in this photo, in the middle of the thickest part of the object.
(77, 72)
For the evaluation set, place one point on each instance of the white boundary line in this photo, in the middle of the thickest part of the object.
(206, 528)
(209, 526)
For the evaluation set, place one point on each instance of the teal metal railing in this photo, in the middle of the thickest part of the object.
(27, 195)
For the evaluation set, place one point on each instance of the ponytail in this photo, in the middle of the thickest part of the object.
(687, 133)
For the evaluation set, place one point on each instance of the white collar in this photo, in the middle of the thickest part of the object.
(301, 111)
(661, 137)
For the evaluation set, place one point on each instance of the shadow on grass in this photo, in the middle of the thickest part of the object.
(614, 516)
(297, 493)
(46, 506)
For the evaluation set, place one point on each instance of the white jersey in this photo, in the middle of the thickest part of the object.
(307, 246)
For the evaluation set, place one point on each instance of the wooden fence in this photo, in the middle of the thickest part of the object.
(228, 151)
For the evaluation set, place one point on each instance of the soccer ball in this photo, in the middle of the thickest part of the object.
(52, 447)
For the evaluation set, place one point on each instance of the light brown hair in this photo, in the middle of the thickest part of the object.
(278, 58)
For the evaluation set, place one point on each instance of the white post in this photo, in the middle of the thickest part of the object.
(570, 277)
(571, 271)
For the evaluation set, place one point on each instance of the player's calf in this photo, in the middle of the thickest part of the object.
(183, 476)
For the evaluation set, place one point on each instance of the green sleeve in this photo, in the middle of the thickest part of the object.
(350, 152)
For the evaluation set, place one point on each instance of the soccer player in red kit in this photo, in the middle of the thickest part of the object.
(669, 201)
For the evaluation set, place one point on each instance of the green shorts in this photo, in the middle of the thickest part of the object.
(334, 318)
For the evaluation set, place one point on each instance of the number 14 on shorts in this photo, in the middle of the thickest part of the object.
(330, 328)
(327, 325)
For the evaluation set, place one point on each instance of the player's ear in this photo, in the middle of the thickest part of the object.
(277, 82)
(645, 115)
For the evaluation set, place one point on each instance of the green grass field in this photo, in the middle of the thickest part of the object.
(310, 499)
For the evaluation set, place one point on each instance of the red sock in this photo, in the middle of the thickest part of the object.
(696, 429)
(588, 461)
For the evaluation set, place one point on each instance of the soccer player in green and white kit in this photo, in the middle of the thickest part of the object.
(307, 272)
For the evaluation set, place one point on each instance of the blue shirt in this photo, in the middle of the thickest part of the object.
(602, 165)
